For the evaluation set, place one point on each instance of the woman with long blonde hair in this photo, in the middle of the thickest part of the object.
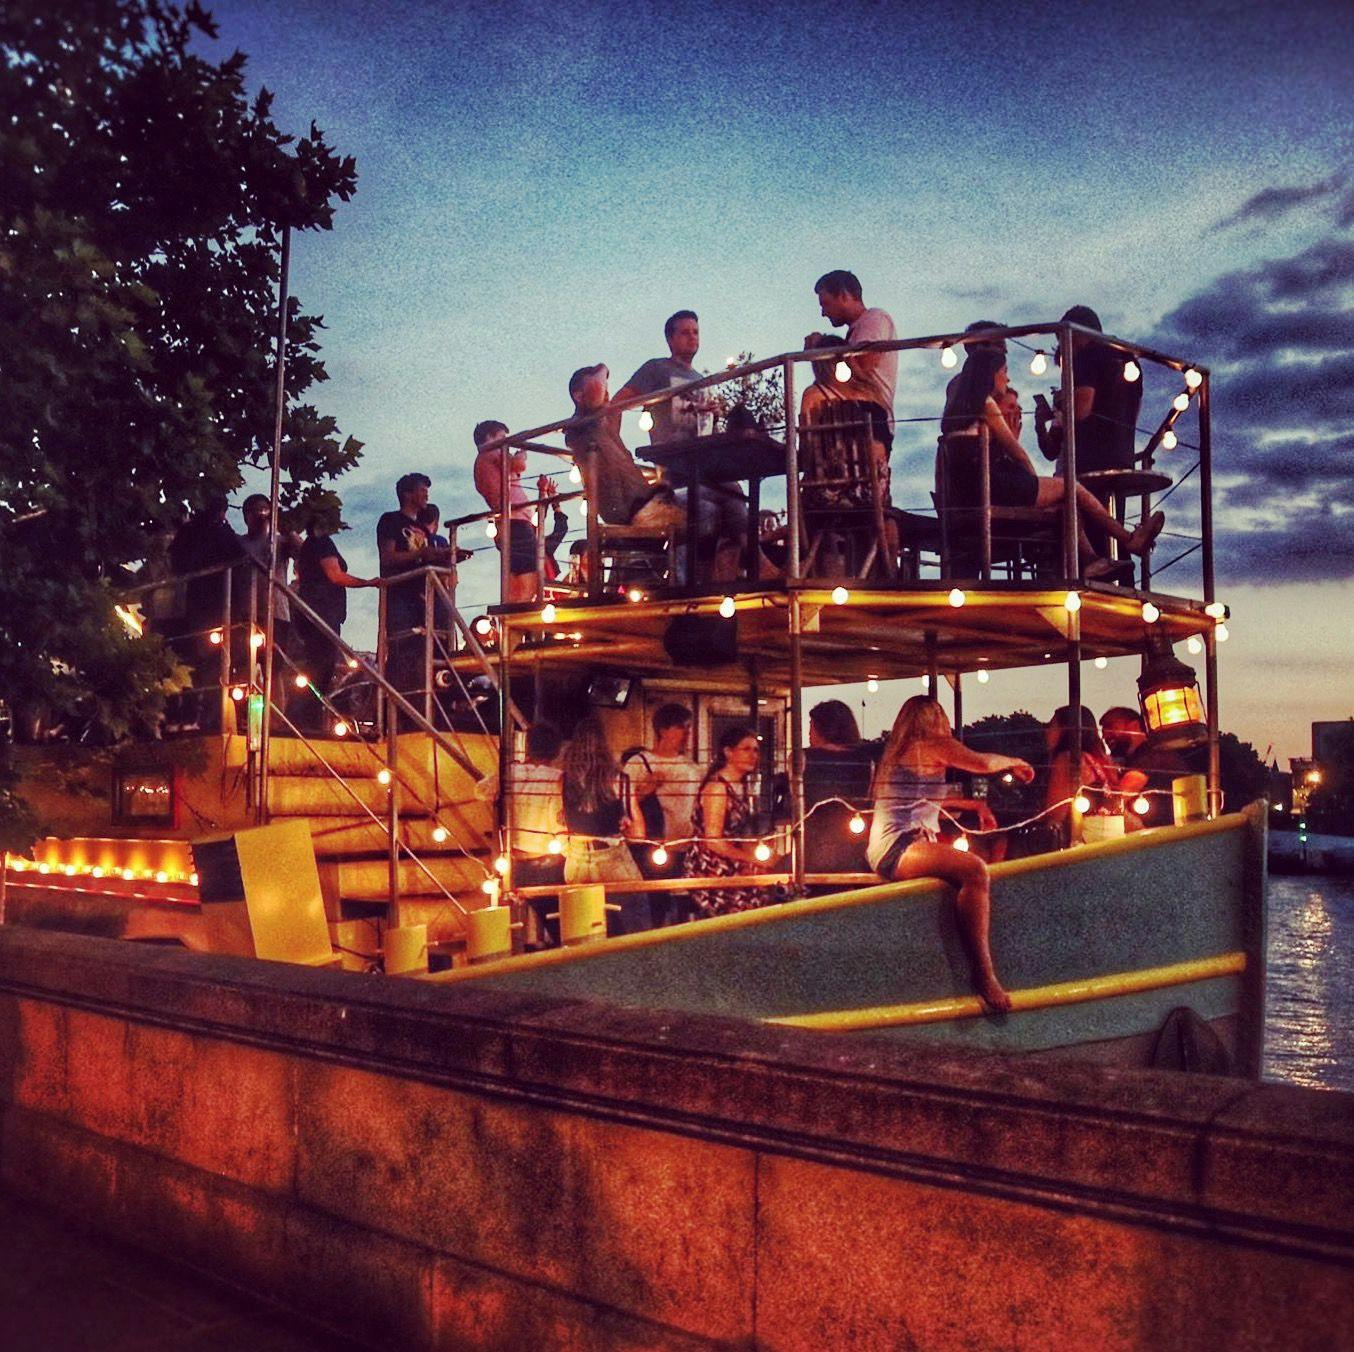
(909, 787)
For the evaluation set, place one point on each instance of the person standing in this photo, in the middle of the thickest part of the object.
(838, 770)
(522, 580)
(663, 785)
(678, 417)
(257, 544)
(874, 375)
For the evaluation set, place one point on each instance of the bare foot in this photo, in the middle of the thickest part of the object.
(993, 994)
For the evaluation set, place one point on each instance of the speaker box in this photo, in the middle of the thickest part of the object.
(702, 640)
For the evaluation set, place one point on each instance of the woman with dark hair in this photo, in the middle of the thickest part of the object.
(1096, 776)
(909, 789)
(724, 814)
(598, 819)
(974, 402)
(838, 769)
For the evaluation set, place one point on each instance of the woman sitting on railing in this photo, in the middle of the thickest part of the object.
(598, 820)
(908, 790)
(724, 814)
(974, 402)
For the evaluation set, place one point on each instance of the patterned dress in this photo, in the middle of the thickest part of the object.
(702, 862)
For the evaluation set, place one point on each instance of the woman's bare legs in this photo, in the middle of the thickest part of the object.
(1089, 507)
(967, 874)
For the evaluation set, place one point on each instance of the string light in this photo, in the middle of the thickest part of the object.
(1169, 441)
(1193, 378)
(1195, 644)
(237, 693)
(193, 880)
(383, 777)
(1101, 663)
(489, 886)
(872, 684)
(840, 596)
(984, 676)
(957, 597)
(1150, 612)
(645, 421)
(96, 872)
(1082, 803)
(1215, 610)
(491, 529)
(1141, 805)
(353, 664)
(948, 358)
(160, 877)
(842, 371)
(730, 362)
(1008, 778)
(1132, 371)
(659, 856)
(302, 680)
(961, 844)
(727, 607)
(575, 475)
(548, 613)
(1221, 633)
(1180, 403)
(1072, 602)
(215, 638)
(762, 852)
(440, 834)
(635, 595)
(857, 825)
(1038, 364)
(501, 864)
(340, 729)
(256, 639)
(484, 625)
(555, 846)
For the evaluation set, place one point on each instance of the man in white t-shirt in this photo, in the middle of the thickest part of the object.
(664, 782)
(874, 375)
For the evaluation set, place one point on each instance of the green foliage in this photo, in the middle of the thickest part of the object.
(1014, 734)
(762, 394)
(142, 196)
(1244, 776)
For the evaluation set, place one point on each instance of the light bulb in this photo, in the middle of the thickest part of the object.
(948, 358)
(237, 693)
(925, 682)
(1141, 805)
(215, 637)
(1193, 378)
(340, 729)
(491, 529)
(659, 856)
(555, 846)
(193, 880)
(548, 613)
(857, 825)
(483, 625)
(762, 853)
(1150, 613)
(842, 371)
(730, 362)
(872, 685)
(984, 676)
(1216, 610)
(489, 886)
(1169, 441)
(1072, 602)
(383, 776)
(575, 475)
(727, 607)
(301, 680)
(1038, 364)
(96, 872)
(1195, 644)
(840, 596)
(69, 870)
(256, 639)
(634, 594)
(1008, 778)
(1180, 403)
(957, 597)
(440, 834)
(645, 421)
(1221, 633)
(1081, 803)
(162, 877)
(1131, 371)
(501, 864)
(353, 664)
(962, 845)
(1101, 663)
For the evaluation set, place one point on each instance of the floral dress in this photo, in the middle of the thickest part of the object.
(705, 863)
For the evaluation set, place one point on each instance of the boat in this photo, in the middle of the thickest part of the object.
(1123, 949)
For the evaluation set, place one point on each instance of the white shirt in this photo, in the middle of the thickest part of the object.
(535, 805)
(874, 326)
(675, 780)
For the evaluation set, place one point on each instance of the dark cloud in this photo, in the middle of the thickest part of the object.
(1269, 204)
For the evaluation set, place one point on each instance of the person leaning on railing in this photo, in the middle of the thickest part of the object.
(522, 581)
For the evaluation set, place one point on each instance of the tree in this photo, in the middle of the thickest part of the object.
(1244, 776)
(142, 199)
(762, 393)
(1015, 734)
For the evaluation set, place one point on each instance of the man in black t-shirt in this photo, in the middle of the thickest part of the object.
(1107, 404)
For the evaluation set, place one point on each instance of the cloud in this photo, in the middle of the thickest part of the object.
(1270, 204)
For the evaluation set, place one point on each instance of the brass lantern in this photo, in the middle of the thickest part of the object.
(1168, 694)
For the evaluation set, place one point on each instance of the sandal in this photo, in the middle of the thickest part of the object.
(1143, 538)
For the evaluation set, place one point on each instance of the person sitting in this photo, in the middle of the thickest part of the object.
(599, 819)
(1094, 776)
(838, 771)
(559, 524)
(1009, 404)
(908, 791)
(535, 818)
(522, 581)
(1143, 769)
(1012, 479)
(721, 823)
(679, 417)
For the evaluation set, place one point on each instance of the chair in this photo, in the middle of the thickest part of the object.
(976, 538)
(628, 555)
(850, 527)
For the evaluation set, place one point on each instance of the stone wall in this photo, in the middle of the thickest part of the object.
(442, 1167)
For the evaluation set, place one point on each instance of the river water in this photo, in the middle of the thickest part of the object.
(1309, 1018)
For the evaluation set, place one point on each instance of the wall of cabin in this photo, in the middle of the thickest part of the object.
(427, 1167)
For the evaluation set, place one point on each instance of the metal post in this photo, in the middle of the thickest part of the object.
(427, 646)
(792, 559)
(1210, 595)
(504, 528)
(393, 818)
(1071, 529)
(227, 704)
(957, 684)
(932, 672)
(1074, 704)
(382, 658)
(795, 619)
(453, 639)
(985, 503)
(274, 493)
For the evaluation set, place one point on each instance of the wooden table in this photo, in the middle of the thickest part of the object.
(725, 458)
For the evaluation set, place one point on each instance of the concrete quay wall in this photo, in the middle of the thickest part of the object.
(440, 1167)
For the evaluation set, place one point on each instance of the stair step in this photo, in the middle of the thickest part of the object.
(311, 796)
(335, 837)
(291, 756)
(360, 879)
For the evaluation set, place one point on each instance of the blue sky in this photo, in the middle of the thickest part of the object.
(540, 185)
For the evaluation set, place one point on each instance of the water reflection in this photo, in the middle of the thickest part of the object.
(1309, 1028)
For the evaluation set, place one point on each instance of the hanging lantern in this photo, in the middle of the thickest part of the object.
(1168, 693)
